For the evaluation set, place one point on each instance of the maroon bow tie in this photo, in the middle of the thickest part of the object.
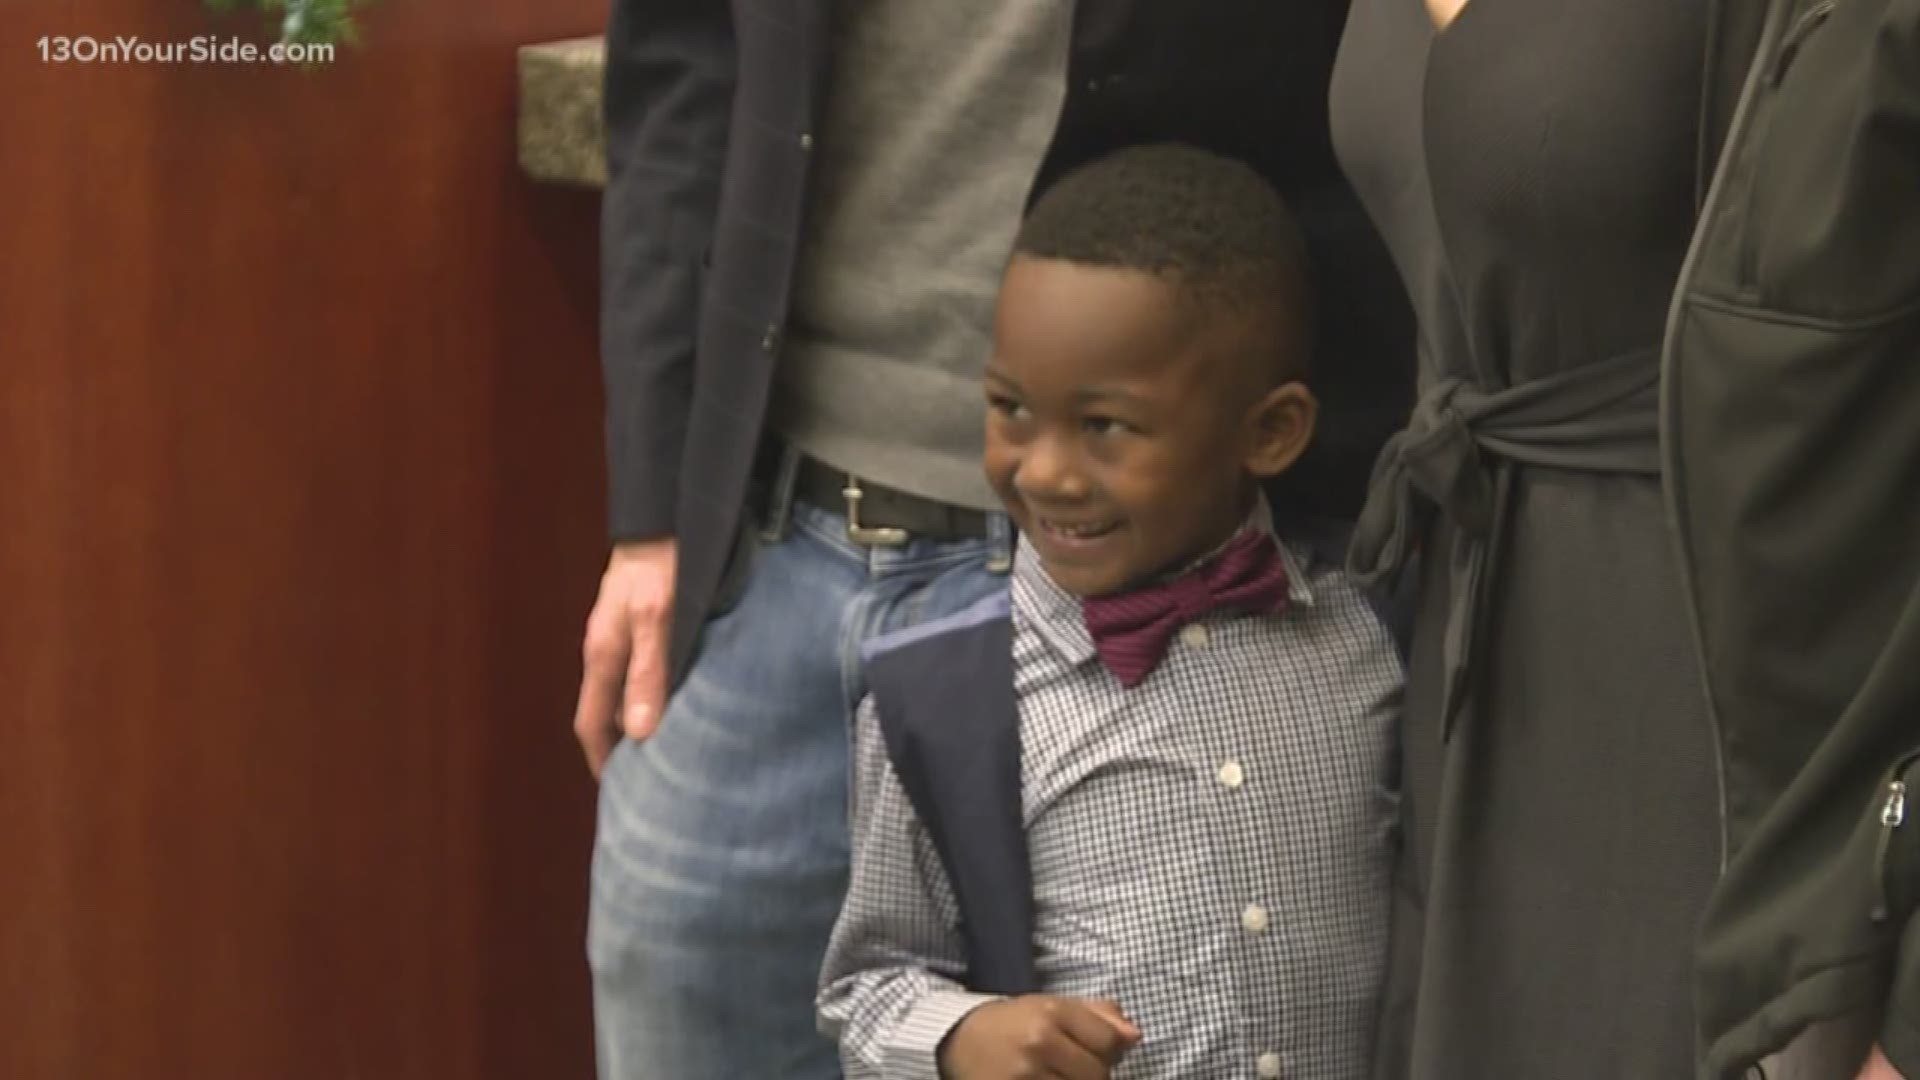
(1131, 630)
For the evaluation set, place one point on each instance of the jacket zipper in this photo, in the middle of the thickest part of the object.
(1672, 471)
(1893, 814)
(1796, 36)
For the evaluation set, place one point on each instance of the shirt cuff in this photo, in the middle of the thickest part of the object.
(914, 1051)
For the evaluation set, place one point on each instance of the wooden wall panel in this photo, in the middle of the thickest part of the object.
(300, 512)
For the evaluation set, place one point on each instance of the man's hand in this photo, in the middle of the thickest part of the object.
(1879, 1068)
(1038, 1037)
(623, 685)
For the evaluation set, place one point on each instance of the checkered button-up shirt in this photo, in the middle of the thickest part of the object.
(1209, 849)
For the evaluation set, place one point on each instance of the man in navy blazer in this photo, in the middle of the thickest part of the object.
(807, 208)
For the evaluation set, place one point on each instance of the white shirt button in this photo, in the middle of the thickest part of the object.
(1254, 919)
(806, 141)
(1231, 775)
(1195, 635)
(1269, 1066)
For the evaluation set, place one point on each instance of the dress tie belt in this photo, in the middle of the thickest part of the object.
(1457, 456)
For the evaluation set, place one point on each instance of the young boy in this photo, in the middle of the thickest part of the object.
(1131, 820)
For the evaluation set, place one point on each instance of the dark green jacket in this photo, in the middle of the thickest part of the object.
(1791, 437)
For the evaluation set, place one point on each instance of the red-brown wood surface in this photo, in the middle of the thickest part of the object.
(300, 510)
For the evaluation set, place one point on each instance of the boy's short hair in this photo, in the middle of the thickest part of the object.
(1209, 222)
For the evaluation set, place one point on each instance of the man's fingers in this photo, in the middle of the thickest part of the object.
(623, 680)
(646, 674)
(597, 745)
(604, 657)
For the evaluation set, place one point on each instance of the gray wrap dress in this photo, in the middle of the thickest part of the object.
(1533, 170)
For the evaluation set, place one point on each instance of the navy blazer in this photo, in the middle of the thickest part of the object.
(712, 118)
(943, 693)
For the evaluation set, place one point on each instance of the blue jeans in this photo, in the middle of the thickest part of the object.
(721, 858)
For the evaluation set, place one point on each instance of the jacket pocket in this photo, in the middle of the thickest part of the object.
(1825, 226)
(1800, 30)
(1893, 883)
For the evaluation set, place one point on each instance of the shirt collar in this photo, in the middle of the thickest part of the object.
(1055, 614)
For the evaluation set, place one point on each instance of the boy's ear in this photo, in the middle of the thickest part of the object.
(1278, 429)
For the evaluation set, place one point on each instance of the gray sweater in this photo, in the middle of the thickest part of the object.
(936, 122)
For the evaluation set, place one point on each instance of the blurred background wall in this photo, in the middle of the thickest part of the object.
(300, 514)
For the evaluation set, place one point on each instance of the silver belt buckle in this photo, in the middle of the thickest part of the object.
(870, 535)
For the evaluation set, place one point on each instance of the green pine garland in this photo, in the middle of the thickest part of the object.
(303, 22)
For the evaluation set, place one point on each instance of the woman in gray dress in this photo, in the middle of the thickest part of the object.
(1532, 166)
(1539, 170)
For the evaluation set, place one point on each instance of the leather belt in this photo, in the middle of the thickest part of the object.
(882, 516)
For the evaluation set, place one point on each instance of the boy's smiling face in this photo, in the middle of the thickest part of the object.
(1127, 424)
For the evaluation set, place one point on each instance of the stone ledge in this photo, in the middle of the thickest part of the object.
(562, 139)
